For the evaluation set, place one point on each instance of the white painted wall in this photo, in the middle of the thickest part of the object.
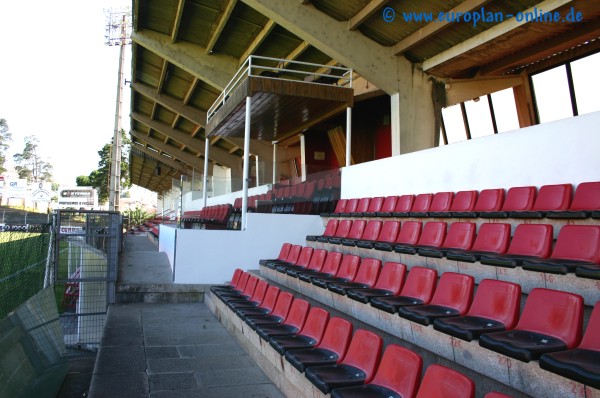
(565, 151)
(210, 257)
(166, 242)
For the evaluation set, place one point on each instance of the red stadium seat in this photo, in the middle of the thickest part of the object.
(257, 297)
(460, 237)
(302, 262)
(442, 382)
(265, 308)
(349, 208)
(409, 234)
(356, 232)
(245, 294)
(341, 232)
(291, 325)
(309, 336)
(440, 205)
(549, 198)
(346, 273)
(403, 205)
(528, 241)
(388, 206)
(487, 200)
(433, 235)
(278, 315)
(330, 229)
(464, 202)
(387, 236)
(491, 239)
(418, 289)
(586, 203)
(374, 207)
(316, 263)
(367, 274)
(330, 268)
(234, 279)
(239, 287)
(389, 283)
(421, 205)
(517, 199)
(291, 258)
(283, 253)
(370, 234)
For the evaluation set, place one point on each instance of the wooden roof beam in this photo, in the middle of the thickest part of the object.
(177, 22)
(190, 91)
(366, 12)
(160, 158)
(186, 158)
(222, 22)
(260, 37)
(295, 53)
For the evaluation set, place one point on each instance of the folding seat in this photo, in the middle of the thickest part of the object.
(330, 268)
(418, 289)
(257, 297)
(355, 233)
(586, 203)
(374, 207)
(421, 205)
(265, 307)
(387, 236)
(330, 228)
(528, 241)
(409, 234)
(387, 207)
(582, 363)
(549, 198)
(551, 321)
(398, 375)
(292, 324)
(291, 258)
(357, 367)
(403, 205)
(517, 199)
(433, 235)
(301, 263)
(440, 381)
(330, 350)
(389, 283)
(309, 336)
(491, 239)
(495, 308)
(316, 263)
(349, 208)
(283, 253)
(341, 232)
(440, 206)
(346, 272)
(232, 284)
(303, 204)
(576, 245)
(460, 237)
(278, 315)
(367, 274)
(464, 201)
(452, 297)
(487, 200)
(361, 207)
(370, 235)
(239, 287)
(244, 295)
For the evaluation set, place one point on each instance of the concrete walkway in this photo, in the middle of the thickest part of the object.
(169, 350)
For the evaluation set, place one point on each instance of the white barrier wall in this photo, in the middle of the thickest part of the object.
(565, 151)
(166, 243)
(211, 256)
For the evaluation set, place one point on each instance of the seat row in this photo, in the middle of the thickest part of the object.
(333, 358)
(210, 215)
(550, 324)
(577, 247)
(551, 201)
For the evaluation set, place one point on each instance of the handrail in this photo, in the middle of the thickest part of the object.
(252, 67)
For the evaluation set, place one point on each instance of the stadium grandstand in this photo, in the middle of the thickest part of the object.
(389, 197)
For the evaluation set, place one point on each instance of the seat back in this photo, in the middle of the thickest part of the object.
(410, 232)
(492, 238)
(553, 197)
(389, 231)
(587, 196)
(519, 199)
(343, 229)
(372, 230)
(441, 201)
(283, 304)
(351, 205)
(422, 203)
(460, 236)
(591, 338)
(375, 204)
(285, 250)
(304, 257)
(440, 381)
(497, 300)
(368, 271)
(337, 337)
(490, 200)
(293, 255)
(404, 203)
(389, 204)
(332, 263)
(358, 227)
(464, 201)
(454, 290)
(315, 324)
(433, 234)
(349, 267)
(578, 242)
(317, 260)
(420, 283)
(364, 352)
(259, 292)
(331, 227)
(297, 314)
(363, 205)
(236, 276)
(250, 286)
(391, 277)
(270, 298)
(399, 370)
(241, 285)
(531, 240)
(554, 313)
(340, 206)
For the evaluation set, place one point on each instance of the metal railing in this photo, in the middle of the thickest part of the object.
(283, 69)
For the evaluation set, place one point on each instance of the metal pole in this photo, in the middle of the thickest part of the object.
(257, 171)
(275, 178)
(246, 168)
(205, 183)
(348, 136)
(303, 157)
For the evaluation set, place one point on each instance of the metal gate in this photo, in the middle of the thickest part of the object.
(86, 251)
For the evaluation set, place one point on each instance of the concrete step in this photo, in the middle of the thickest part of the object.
(159, 293)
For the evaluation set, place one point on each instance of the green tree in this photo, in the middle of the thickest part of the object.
(5, 138)
(83, 181)
(30, 165)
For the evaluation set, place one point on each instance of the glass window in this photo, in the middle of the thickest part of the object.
(480, 118)
(505, 110)
(587, 83)
(455, 127)
(552, 96)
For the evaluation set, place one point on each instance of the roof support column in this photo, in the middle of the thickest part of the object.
(348, 136)
(303, 157)
(275, 170)
(205, 179)
(256, 162)
(395, 122)
(246, 168)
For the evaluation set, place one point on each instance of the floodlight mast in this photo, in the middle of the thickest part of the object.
(118, 32)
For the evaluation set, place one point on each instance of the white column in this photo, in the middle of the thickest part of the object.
(257, 170)
(348, 136)
(246, 168)
(275, 171)
(395, 123)
(205, 181)
(303, 156)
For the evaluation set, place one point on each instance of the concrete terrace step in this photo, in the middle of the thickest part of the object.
(159, 293)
